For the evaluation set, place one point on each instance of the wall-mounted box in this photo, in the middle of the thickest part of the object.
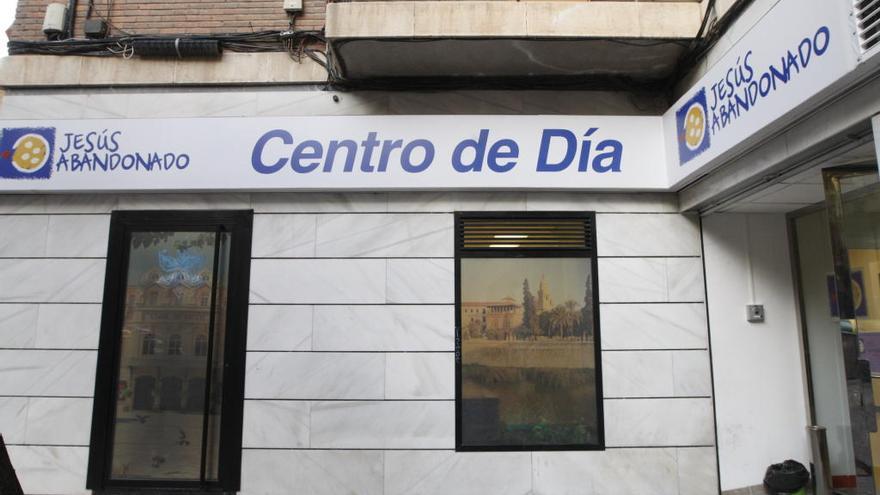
(293, 5)
(95, 28)
(53, 21)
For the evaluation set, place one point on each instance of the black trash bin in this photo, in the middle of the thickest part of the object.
(786, 477)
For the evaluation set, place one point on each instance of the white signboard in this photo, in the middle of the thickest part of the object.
(341, 153)
(798, 49)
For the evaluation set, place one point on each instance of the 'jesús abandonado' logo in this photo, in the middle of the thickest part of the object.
(26, 152)
(692, 127)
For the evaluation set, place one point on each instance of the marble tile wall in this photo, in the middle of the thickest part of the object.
(52, 263)
(350, 371)
(50, 469)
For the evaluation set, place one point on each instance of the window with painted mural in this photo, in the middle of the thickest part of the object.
(167, 339)
(528, 345)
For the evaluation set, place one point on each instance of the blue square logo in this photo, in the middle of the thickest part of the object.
(692, 128)
(26, 152)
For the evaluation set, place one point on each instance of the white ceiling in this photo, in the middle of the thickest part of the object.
(796, 190)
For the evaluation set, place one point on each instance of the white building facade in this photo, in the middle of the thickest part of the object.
(318, 340)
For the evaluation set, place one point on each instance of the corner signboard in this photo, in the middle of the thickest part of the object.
(795, 51)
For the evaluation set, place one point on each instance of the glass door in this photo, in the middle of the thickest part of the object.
(853, 204)
(838, 247)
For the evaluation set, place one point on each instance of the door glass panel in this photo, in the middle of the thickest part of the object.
(838, 249)
(160, 424)
(216, 342)
(853, 199)
(822, 327)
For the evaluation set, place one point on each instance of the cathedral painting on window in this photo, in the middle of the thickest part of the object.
(528, 373)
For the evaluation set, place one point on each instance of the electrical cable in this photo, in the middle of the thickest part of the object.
(721, 27)
(300, 44)
(106, 18)
(704, 42)
(261, 41)
(297, 44)
(70, 19)
(182, 48)
(685, 62)
(311, 44)
(710, 10)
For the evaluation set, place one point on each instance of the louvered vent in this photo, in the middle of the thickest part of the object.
(526, 233)
(868, 23)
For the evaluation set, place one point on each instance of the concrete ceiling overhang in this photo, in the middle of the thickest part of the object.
(426, 39)
(506, 58)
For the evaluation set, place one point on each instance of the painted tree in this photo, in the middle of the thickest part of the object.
(565, 319)
(473, 330)
(575, 317)
(559, 320)
(530, 314)
(544, 324)
(586, 323)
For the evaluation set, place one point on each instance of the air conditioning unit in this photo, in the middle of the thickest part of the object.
(867, 18)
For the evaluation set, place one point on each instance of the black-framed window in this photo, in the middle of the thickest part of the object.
(528, 360)
(161, 422)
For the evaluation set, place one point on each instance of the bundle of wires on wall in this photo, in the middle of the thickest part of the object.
(310, 44)
(297, 43)
(710, 32)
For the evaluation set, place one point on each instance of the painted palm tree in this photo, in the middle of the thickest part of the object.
(564, 319)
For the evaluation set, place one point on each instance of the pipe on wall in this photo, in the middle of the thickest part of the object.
(69, 20)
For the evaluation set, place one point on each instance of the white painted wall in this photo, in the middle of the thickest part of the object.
(760, 396)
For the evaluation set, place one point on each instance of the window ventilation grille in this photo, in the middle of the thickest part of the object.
(526, 233)
(868, 23)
